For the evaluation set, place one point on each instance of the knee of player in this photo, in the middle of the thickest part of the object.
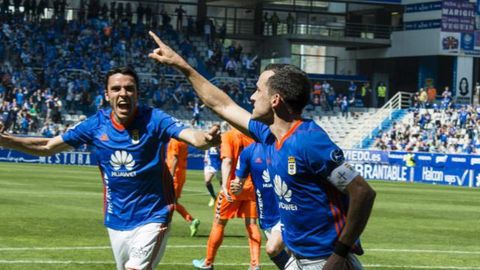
(273, 249)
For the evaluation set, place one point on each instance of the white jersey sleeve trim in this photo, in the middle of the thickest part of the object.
(342, 176)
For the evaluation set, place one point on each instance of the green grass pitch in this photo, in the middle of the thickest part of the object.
(51, 218)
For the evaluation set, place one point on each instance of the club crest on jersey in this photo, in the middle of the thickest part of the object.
(292, 165)
(135, 136)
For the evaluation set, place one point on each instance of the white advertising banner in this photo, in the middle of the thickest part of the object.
(464, 79)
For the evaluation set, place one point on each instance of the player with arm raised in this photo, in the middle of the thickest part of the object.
(130, 142)
(312, 181)
(252, 163)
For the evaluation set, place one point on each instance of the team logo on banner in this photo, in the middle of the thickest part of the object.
(292, 165)
(135, 136)
(450, 43)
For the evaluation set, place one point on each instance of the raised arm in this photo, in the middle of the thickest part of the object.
(34, 146)
(211, 96)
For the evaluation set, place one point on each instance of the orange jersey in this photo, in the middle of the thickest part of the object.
(233, 143)
(179, 150)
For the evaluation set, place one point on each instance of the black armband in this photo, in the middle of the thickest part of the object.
(341, 249)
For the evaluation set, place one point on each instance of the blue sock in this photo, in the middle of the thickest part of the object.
(281, 259)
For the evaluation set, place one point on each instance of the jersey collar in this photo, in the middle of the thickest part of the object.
(119, 126)
(278, 144)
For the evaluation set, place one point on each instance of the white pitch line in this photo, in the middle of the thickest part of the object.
(421, 251)
(240, 247)
(431, 267)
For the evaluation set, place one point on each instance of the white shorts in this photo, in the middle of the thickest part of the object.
(210, 169)
(277, 227)
(317, 264)
(140, 248)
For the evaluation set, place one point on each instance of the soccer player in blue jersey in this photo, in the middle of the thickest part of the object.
(252, 162)
(324, 204)
(130, 142)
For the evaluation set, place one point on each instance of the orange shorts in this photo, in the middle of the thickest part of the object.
(236, 209)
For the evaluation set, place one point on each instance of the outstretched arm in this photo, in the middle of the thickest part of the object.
(34, 146)
(211, 96)
(200, 139)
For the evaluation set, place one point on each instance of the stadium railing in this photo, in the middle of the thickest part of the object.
(354, 139)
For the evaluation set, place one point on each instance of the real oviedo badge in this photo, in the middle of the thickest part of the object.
(292, 165)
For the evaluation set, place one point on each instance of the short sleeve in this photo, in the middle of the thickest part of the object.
(259, 131)
(168, 125)
(327, 160)
(243, 165)
(82, 133)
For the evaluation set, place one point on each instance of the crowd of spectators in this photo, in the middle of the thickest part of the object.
(50, 66)
(454, 129)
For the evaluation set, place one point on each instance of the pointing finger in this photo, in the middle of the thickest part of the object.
(156, 38)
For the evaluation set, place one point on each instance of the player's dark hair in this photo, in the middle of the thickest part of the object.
(125, 70)
(291, 83)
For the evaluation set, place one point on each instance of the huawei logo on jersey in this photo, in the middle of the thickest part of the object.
(266, 179)
(282, 190)
(284, 194)
(121, 159)
(266, 176)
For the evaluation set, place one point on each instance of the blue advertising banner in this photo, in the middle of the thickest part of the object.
(195, 158)
(468, 41)
(418, 25)
(458, 16)
(422, 7)
(442, 169)
(372, 171)
(66, 158)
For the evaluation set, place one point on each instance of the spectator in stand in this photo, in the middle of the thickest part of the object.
(250, 64)
(422, 98)
(274, 20)
(231, 67)
(381, 94)
(431, 96)
(352, 89)
(222, 33)
(266, 24)
(180, 11)
(476, 95)
(290, 23)
(345, 105)
(207, 31)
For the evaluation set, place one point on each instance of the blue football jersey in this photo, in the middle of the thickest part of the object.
(138, 189)
(212, 157)
(253, 162)
(312, 210)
